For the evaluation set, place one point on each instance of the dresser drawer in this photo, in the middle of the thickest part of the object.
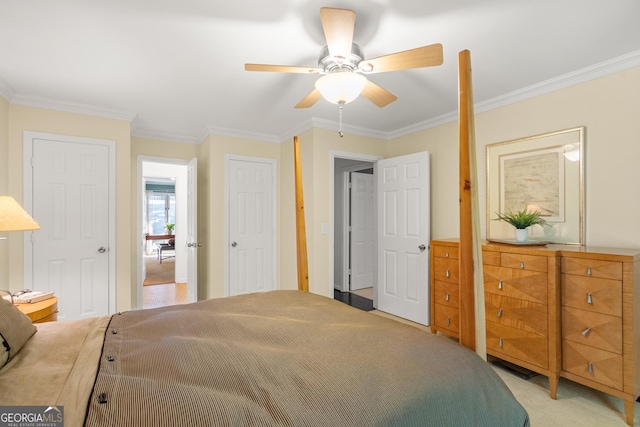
(446, 270)
(491, 258)
(592, 329)
(522, 284)
(516, 313)
(447, 318)
(592, 268)
(592, 363)
(447, 293)
(445, 252)
(521, 345)
(524, 262)
(592, 294)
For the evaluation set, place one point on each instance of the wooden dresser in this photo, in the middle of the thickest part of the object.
(559, 310)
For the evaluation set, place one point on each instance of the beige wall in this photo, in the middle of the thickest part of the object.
(609, 107)
(217, 147)
(4, 177)
(315, 151)
(150, 148)
(20, 119)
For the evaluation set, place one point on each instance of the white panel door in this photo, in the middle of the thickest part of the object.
(251, 226)
(403, 236)
(363, 231)
(192, 230)
(71, 202)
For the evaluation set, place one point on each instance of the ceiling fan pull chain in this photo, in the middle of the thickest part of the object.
(341, 103)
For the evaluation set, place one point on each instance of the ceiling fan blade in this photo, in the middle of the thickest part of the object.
(282, 68)
(310, 99)
(338, 26)
(426, 56)
(379, 96)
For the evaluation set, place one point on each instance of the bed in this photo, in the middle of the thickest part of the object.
(288, 358)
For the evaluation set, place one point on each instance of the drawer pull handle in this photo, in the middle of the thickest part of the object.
(500, 342)
(590, 368)
(448, 321)
(500, 313)
(446, 254)
(500, 284)
(589, 271)
(589, 300)
(585, 332)
(446, 298)
(522, 265)
(447, 274)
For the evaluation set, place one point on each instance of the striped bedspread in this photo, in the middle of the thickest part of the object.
(289, 358)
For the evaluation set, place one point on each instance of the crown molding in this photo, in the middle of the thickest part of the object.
(583, 75)
(235, 133)
(162, 136)
(6, 91)
(72, 107)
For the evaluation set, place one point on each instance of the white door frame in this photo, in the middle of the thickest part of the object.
(27, 145)
(227, 244)
(333, 155)
(346, 213)
(192, 287)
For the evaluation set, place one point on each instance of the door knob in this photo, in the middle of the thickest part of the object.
(102, 249)
(422, 248)
(193, 245)
(234, 244)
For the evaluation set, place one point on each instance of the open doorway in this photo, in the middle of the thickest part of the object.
(163, 224)
(354, 229)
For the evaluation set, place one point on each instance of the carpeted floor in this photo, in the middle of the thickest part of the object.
(159, 273)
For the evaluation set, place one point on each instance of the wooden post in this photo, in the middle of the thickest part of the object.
(301, 234)
(472, 326)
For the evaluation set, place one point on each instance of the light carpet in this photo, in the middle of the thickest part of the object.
(159, 273)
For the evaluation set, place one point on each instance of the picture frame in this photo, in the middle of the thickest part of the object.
(542, 173)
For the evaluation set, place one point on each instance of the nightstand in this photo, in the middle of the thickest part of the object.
(42, 311)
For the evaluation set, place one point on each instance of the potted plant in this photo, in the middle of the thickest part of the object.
(169, 227)
(521, 220)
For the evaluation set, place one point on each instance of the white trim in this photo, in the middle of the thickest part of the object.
(274, 198)
(6, 91)
(72, 107)
(149, 134)
(27, 141)
(333, 155)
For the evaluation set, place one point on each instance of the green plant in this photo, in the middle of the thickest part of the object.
(169, 227)
(521, 219)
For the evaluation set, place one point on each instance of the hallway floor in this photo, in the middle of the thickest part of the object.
(355, 299)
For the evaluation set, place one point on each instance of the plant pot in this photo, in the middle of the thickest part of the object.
(521, 234)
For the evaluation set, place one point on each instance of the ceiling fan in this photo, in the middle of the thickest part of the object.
(344, 66)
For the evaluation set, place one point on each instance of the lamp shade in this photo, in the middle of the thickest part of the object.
(341, 86)
(13, 217)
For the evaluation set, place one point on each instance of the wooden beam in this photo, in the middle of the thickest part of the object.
(301, 234)
(467, 294)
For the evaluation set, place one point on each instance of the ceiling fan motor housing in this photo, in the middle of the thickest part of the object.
(330, 64)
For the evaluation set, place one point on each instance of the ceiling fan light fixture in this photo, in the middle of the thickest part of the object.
(340, 87)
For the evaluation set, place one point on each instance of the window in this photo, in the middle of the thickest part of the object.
(161, 209)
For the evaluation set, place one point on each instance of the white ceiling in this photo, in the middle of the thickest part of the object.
(176, 68)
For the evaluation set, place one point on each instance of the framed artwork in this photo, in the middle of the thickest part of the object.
(542, 173)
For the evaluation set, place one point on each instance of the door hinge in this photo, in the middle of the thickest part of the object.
(349, 272)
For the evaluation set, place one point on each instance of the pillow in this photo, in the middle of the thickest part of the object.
(172, 242)
(15, 330)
